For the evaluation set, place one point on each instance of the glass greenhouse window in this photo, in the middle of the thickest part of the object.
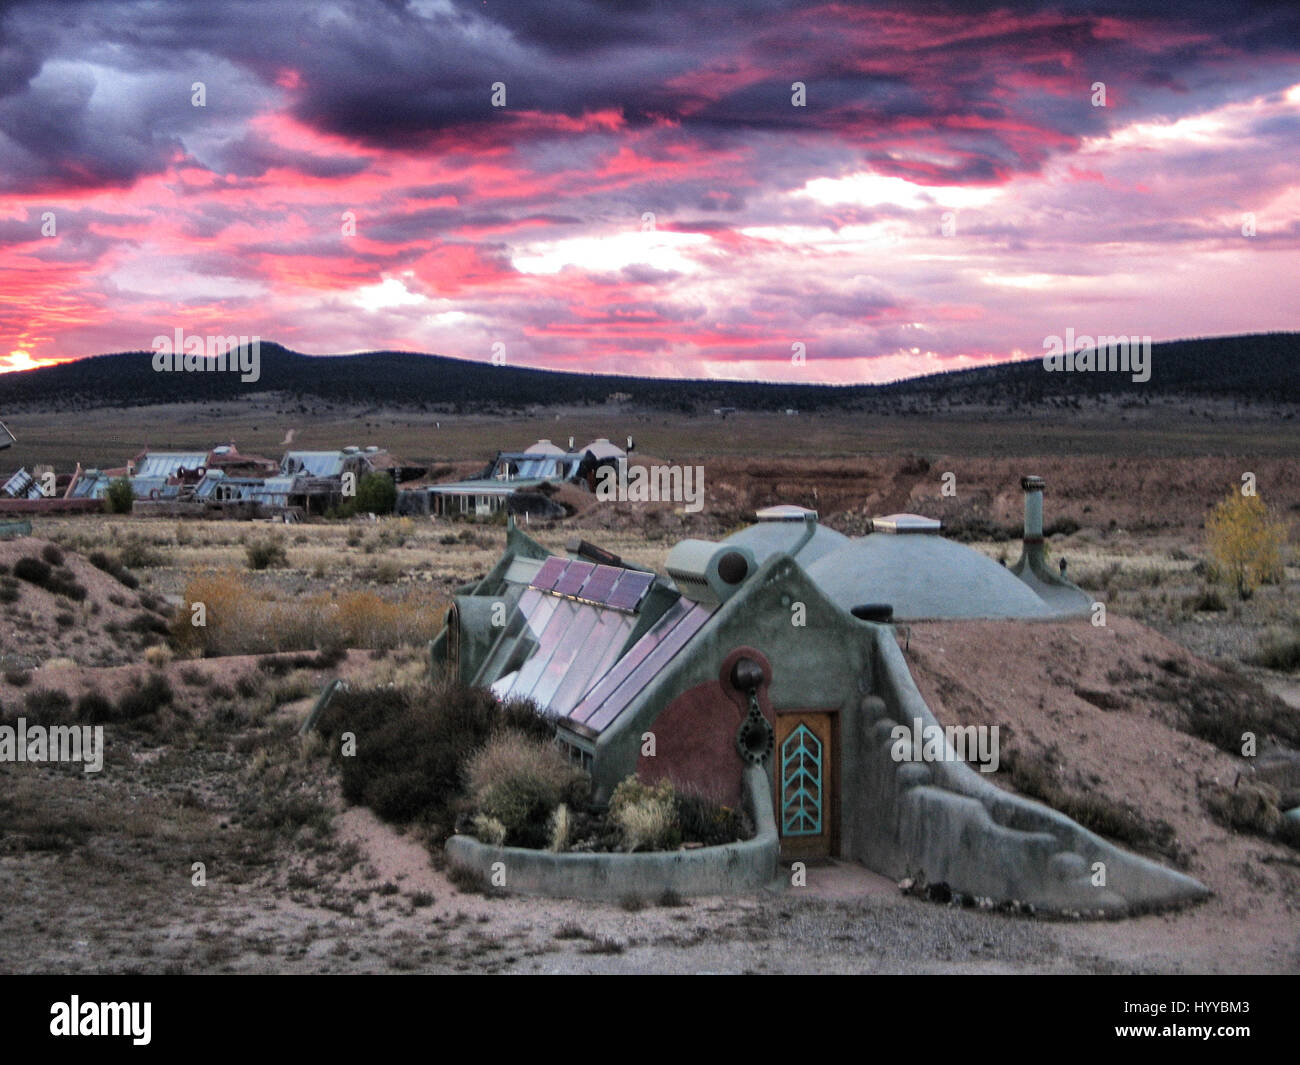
(612, 694)
(575, 643)
(569, 645)
(599, 654)
(548, 633)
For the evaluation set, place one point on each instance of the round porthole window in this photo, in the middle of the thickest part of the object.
(755, 741)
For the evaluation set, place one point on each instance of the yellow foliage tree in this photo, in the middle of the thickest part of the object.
(1246, 543)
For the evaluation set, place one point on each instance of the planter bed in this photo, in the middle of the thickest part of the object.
(746, 865)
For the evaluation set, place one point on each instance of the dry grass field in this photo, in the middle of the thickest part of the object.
(203, 764)
(259, 424)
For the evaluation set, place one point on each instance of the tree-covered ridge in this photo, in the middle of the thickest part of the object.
(1261, 366)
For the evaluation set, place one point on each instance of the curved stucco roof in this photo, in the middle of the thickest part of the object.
(544, 447)
(601, 448)
(924, 576)
(770, 537)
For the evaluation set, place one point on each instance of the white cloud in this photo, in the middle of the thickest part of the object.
(390, 292)
(658, 249)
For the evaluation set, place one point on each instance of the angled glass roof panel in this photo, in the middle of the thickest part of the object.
(18, 484)
(632, 586)
(573, 578)
(315, 463)
(522, 570)
(600, 584)
(572, 644)
(600, 652)
(166, 463)
(519, 627)
(548, 639)
(635, 655)
(552, 569)
(569, 644)
(665, 643)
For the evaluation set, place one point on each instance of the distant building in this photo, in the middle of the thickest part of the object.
(517, 481)
(224, 482)
(22, 485)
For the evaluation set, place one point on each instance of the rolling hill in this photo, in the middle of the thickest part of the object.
(1260, 367)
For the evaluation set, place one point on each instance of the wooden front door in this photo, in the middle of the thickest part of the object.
(807, 784)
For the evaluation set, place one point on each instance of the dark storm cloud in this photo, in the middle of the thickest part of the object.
(96, 94)
(253, 155)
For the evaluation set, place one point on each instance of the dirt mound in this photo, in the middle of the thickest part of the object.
(55, 604)
(1118, 725)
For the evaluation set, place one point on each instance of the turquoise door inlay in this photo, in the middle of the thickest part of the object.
(801, 783)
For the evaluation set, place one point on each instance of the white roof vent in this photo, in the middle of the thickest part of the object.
(784, 512)
(905, 523)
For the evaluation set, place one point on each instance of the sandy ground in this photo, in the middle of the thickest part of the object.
(393, 912)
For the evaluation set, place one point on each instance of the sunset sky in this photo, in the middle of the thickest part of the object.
(530, 225)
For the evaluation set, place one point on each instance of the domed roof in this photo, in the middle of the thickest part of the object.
(544, 447)
(768, 538)
(923, 577)
(601, 448)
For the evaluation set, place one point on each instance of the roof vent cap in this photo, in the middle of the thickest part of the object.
(784, 512)
(905, 523)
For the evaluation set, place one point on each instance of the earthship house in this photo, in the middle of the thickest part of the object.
(767, 669)
(518, 482)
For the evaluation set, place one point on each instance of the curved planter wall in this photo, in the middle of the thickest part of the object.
(733, 867)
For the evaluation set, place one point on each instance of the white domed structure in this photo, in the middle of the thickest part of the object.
(924, 576)
(788, 530)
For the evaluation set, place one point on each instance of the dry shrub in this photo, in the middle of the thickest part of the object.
(1033, 773)
(645, 815)
(1280, 650)
(158, 656)
(47, 706)
(520, 780)
(489, 830)
(243, 620)
(413, 746)
(702, 819)
(560, 826)
(266, 553)
(1247, 807)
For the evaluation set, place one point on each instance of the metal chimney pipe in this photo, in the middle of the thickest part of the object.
(1033, 552)
(1033, 487)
